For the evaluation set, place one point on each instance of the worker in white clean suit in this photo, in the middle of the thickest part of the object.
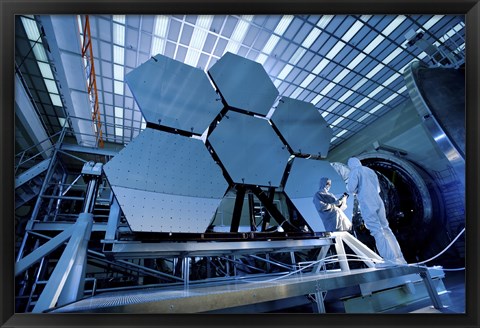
(330, 208)
(363, 182)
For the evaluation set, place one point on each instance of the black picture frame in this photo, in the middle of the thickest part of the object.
(471, 8)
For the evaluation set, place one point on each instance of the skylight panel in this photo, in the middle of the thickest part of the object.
(392, 56)
(192, 57)
(277, 82)
(56, 100)
(361, 119)
(340, 76)
(119, 19)
(375, 71)
(375, 109)
(375, 92)
(63, 122)
(432, 21)
(341, 133)
(39, 52)
(285, 71)
(361, 102)
(374, 44)
(389, 99)
(359, 84)
(307, 80)
(365, 18)
(46, 70)
(422, 55)
(199, 36)
(119, 132)
(161, 25)
(356, 61)
(404, 88)
(119, 34)
(335, 50)
(452, 32)
(297, 56)
(391, 79)
(327, 89)
(352, 31)
(335, 105)
(119, 112)
(158, 46)
(31, 28)
(350, 111)
(320, 66)
(346, 95)
(238, 34)
(143, 125)
(51, 86)
(393, 25)
(296, 93)
(262, 58)
(118, 87)
(118, 55)
(118, 72)
(338, 120)
(316, 99)
(204, 21)
(283, 24)
(311, 37)
(401, 70)
(323, 22)
(271, 43)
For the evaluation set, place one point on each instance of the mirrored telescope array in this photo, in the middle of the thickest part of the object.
(169, 180)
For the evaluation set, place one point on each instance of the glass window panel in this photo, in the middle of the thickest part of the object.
(354, 29)
(374, 44)
(56, 100)
(45, 70)
(118, 72)
(118, 55)
(51, 86)
(39, 51)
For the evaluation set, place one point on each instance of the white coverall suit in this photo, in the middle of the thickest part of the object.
(329, 209)
(363, 182)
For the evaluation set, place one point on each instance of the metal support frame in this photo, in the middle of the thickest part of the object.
(266, 215)
(251, 207)
(74, 253)
(237, 209)
(270, 207)
(342, 257)
(186, 271)
(42, 251)
(432, 292)
(113, 220)
(366, 254)
(48, 176)
(321, 255)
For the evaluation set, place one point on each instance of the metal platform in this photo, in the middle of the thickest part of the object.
(211, 296)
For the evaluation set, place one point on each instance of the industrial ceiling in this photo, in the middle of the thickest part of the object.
(348, 66)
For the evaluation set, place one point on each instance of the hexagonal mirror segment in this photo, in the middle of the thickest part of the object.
(166, 183)
(249, 149)
(172, 94)
(303, 127)
(243, 84)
